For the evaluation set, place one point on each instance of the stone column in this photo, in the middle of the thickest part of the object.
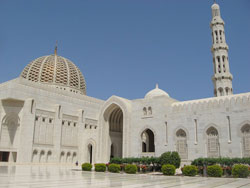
(57, 133)
(24, 152)
(80, 128)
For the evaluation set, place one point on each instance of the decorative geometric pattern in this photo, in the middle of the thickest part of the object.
(55, 70)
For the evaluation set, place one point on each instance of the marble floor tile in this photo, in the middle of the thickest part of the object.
(53, 176)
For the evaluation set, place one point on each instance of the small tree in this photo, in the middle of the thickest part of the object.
(170, 158)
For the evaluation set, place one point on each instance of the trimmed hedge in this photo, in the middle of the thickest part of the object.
(172, 158)
(130, 169)
(190, 170)
(115, 168)
(240, 171)
(168, 169)
(86, 167)
(100, 167)
(214, 171)
(223, 161)
(143, 160)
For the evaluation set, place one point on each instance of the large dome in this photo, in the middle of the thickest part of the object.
(56, 71)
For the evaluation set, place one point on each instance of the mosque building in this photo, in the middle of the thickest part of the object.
(46, 116)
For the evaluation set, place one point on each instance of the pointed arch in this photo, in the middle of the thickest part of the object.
(35, 156)
(49, 157)
(42, 157)
(10, 130)
(74, 157)
(107, 109)
(90, 150)
(153, 141)
(147, 141)
(181, 143)
(245, 137)
(212, 141)
(62, 157)
(68, 157)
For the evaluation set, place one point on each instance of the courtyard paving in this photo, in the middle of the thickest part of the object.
(20, 176)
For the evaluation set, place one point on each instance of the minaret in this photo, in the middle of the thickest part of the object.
(222, 77)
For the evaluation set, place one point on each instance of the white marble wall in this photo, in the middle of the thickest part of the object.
(86, 122)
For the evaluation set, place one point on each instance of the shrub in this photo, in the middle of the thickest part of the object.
(240, 171)
(214, 171)
(172, 158)
(168, 169)
(190, 170)
(86, 167)
(143, 160)
(130, 169)
(176, 160)
(100, 167)
(115, 168)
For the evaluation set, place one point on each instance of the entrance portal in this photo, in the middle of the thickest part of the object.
(115, 121)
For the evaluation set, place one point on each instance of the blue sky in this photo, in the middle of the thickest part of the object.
(125, 47)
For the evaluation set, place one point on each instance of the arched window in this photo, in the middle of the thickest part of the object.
(216, 35)
(74, 157)
(49, 154)
(181, 144)
(221, 36)
(213, 147)
(35, 156)
(219, 64)
(144, 111)
(245, 130)
(150, 110)
(42, 157)
(62, 157)
(90, 153)
(147, 138)
(68, 159)
(221, 91)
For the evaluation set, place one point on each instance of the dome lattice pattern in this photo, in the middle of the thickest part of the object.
(55, 70)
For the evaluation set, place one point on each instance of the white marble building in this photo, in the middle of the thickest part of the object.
(46, 116)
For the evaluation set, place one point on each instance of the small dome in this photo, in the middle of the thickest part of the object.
(156, 93)
(56, 71)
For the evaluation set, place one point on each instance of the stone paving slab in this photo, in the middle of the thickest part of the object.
(34, 176)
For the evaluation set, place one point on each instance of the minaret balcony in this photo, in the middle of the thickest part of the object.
(221, 76)
(218, 46)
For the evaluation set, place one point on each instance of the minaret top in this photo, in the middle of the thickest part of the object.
(215, 9)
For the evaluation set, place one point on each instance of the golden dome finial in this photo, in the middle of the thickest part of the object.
(56, 48)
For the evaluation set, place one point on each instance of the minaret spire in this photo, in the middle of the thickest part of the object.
(222, 78)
